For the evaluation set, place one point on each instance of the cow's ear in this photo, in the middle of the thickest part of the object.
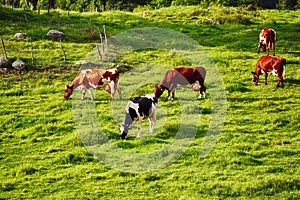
(253, 73)
(68, 87)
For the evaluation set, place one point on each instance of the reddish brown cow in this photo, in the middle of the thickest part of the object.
(181, 76)
(267, 38)
(95, 78)
(270, 64)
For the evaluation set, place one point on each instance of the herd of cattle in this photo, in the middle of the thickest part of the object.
(144, 107)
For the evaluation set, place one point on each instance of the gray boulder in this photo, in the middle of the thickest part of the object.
(3, 63)
(19, 36)
(18, 65)
(56, 34)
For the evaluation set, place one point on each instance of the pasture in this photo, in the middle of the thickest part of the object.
(43, 154)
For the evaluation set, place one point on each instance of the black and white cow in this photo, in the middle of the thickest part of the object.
(139, 108)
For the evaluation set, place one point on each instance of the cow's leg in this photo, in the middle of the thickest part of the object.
(173, 94)
(202, 91)
(119, 90)
(112, 90)
(83, 94)
(139, 127)
(169, 92)
(280, 82)
(266, 78)
(152, 120)
(273, 48)
(91, 94)
(172, 90)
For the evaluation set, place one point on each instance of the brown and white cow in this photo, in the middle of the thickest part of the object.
(270, 64)
(184, 77)
(267, 38)
(95, 78)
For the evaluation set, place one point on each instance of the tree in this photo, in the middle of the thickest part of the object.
(33, 4)
(103, 5)
(267, 4)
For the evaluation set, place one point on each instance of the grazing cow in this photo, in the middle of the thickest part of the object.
(181, 76)
(267, 38)
(270, 64)
(95, 78)
(137, 109)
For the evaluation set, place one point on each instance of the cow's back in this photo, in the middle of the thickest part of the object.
(268, 63)
(192, 75)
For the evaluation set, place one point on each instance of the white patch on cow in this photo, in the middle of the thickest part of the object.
(122, 128)
(112, 86)
(132, 105)
(262, 39)
(105, 79)
(84, 71)
(113, 71)
(274, 72)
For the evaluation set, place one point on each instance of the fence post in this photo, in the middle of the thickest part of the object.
(92, 29)
(4, 50)
(105, 38)
(31, 49)
(25, 16)
(101, 40)
(99, 53)
(63, 51)
(58, 21)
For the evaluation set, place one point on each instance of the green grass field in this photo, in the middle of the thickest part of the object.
(44, 153)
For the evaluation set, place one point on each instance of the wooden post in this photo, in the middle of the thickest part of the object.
(105, 38)
(81, 28)
(4, 50)
(31, 49)
(99, 53)
(12, 10)
(25, 16)
(101, 40)
(49, 14)
(92, 29)
(58, 21)
(63, 51)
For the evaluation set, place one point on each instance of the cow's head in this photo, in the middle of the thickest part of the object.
(68, 91)
(158, 91)
(255, 77)
(262, 45)
(124, 129)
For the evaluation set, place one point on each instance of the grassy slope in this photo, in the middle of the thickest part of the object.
(256, 157)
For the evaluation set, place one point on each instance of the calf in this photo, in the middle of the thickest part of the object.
(268, 64)
(94, 78)
(267, 38)
(181, 76)
(137, 109)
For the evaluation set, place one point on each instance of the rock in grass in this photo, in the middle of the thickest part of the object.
(3, 70)
(18, 65)
(56, 34)
(3, 63)
(20, 36)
